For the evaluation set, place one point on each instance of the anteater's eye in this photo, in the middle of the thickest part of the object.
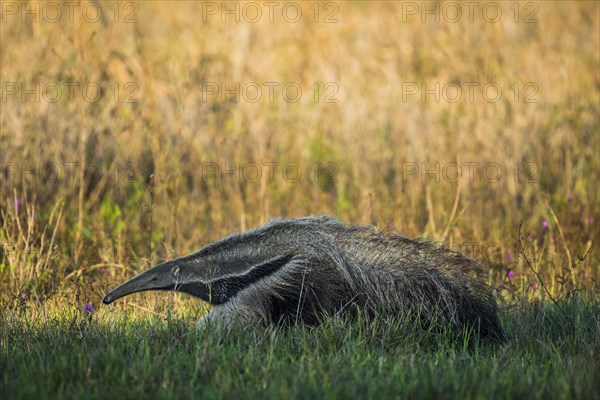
(155, 278)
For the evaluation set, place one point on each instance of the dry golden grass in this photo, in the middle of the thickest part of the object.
(146, 194)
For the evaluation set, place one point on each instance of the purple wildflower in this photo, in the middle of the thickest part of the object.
(510, 274)
(590, 220)
(509, 256)
(89, 308)
(23, 296)
(533, 286)
(570, 196)
(18, 202)
(545, 224)
(198, 239)
(586, 274)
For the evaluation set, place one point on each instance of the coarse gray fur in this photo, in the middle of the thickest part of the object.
(306, 269)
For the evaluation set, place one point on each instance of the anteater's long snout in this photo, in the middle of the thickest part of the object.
(134, 285)
(110, 297)
(157, 278)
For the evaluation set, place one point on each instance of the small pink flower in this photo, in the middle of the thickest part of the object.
(198, 239)
(545, 224)
(23, 296)
(509, 256)
(89, 308)
(586, 274)
(590, 220)
(18, 202)
(533, 286)
(510, 274)
(570, 196)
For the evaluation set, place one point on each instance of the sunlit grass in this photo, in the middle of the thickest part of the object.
(137, 180)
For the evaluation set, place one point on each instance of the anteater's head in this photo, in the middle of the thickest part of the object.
(220, 270)
(166, 276)
(214, 277)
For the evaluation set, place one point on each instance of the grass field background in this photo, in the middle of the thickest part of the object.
(133, 132)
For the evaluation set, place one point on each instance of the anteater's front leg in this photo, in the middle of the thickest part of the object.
(236, 312)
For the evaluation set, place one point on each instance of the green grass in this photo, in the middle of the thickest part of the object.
(67, 354)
